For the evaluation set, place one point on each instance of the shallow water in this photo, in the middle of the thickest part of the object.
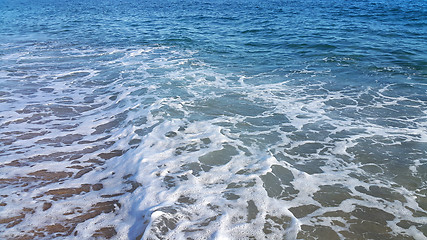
(224, 120)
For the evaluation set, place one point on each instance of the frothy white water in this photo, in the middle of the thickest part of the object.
(154, 143)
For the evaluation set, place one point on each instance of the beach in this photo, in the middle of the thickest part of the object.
(213, 119)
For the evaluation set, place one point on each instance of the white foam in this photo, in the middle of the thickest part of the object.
(198, 167)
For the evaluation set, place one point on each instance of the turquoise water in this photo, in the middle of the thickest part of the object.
(213, 119)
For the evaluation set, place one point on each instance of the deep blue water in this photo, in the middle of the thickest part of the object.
(213, 119)
(254, 35)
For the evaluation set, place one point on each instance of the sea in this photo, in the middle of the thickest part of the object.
(213, 119)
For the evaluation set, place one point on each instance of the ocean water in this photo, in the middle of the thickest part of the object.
(276, 119)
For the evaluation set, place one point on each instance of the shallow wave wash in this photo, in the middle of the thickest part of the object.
(225, 120)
